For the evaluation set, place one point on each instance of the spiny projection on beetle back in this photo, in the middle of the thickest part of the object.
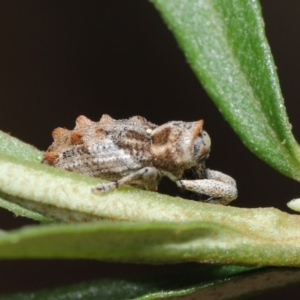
(139, 153)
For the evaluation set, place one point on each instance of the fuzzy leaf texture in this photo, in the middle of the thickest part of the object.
(183, 230)
(225, 44)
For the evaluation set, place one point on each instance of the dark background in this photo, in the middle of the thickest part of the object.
(61, 59)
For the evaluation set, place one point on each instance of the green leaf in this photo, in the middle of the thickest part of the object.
(157, 242)
(195, 231)
(201, 282)
(225, 44)
(23, 152)
(20, 211)
(162, 286)
(14, 147)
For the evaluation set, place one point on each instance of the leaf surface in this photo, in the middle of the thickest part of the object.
(167, 229)
(225, 44)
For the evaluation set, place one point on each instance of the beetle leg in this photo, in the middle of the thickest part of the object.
(220, 187)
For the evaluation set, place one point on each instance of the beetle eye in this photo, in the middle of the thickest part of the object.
(202, 146)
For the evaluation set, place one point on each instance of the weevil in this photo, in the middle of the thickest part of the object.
(139, 153)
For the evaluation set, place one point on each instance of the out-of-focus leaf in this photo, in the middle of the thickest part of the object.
(197, 284)
(155, 242)
(159, 287)
(20, 211)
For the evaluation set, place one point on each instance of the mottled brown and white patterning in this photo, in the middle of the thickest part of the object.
(139, 153)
